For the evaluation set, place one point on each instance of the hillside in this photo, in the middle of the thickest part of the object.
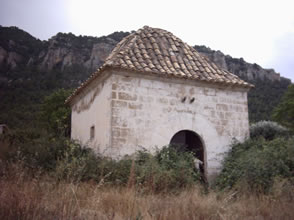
(31, 69)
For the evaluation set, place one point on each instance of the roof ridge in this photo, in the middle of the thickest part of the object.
(118, 49)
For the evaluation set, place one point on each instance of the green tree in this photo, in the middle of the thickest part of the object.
(56, 114)
(284, 112)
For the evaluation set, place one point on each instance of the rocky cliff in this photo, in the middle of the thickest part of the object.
(19, 49)
(240, 67)
(65, 50)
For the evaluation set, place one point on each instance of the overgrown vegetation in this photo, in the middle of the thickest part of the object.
(264, 98)
(49, 176)
(23, 94)
(56, 114)
(284, 112)
(23, 197)
(260, 161)
(56, 178)
(266, 157)
(269, 130)
(167, 170)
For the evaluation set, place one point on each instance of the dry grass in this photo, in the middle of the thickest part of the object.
(23, 197)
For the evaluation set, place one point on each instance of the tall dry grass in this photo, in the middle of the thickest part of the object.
(24, 196)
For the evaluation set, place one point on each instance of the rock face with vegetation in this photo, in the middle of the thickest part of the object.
(19, 49)
(240, 67)
(31, 69)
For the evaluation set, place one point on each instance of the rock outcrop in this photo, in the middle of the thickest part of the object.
(237, 66)
(59, 52)
(18, 49)
(65, 50)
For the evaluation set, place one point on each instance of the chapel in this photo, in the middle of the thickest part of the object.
(155, 90)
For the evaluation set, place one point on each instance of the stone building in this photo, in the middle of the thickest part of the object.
(154, 90)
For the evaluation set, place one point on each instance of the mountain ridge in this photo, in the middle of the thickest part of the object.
(31, 69)
(66, 49)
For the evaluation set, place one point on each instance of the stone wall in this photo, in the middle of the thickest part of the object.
(132, 112)
(146, 113)
(92, 108)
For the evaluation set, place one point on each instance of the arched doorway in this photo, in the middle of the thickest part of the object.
(186, 140)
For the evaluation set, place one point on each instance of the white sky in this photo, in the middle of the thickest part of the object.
(260, 31)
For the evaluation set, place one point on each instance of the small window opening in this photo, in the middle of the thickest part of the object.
(183, 99)
(92, 132)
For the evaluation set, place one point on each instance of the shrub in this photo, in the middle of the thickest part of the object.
(256, 163)
(268, 129)
(66, 160)
(35, 149)
(77, 163)
(167, 169)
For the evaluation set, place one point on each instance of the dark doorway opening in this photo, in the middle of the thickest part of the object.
(186, 140)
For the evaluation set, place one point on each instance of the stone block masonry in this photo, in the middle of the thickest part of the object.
(130, 112)
(147, 112)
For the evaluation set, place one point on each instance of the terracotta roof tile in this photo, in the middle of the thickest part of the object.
(160, 52)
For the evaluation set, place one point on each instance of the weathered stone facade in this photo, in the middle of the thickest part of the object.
(155, 90)
(131, 112)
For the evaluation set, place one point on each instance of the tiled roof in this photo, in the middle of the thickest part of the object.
(159, 52)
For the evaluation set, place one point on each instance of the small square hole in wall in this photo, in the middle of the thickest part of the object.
(92, 132)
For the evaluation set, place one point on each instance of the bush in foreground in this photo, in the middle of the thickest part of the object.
(256, 163)
(167, 169)
(44, 198)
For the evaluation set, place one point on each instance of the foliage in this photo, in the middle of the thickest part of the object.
(21, 42)
(22, 96)
(268, 129)
(168, 169)
(264, 97)
(36, 149)
(56, 114)
(284, 112)
(256, 164)
(77, 163)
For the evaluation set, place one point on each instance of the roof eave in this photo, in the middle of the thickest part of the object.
(83, 85)
(99, 71)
